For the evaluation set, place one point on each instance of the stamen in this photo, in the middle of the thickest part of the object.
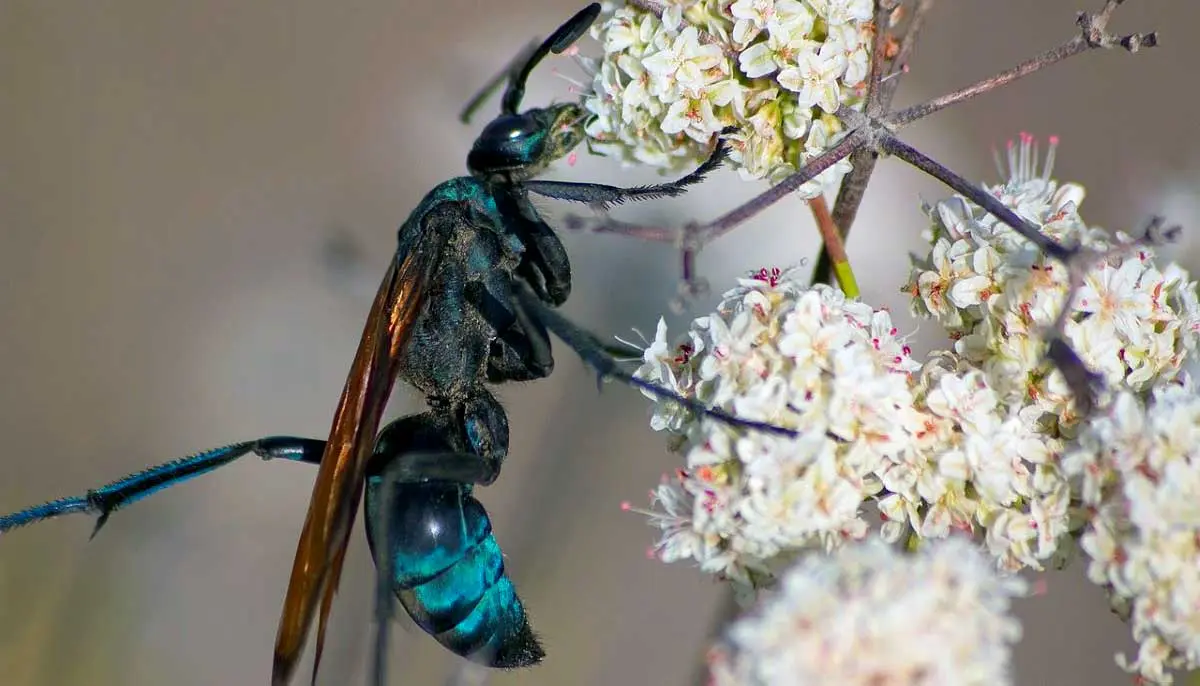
(889, 77)
(577, 84)
(1033, 157)
(578, 120)
(632, 345)
(1022, 171)
(998, 162)
(1051, 150)
(1012, 159)
(589, 65)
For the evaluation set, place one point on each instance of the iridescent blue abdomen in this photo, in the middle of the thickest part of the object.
(448, 572)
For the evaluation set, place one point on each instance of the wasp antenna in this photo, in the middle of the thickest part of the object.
(558, 41)
(489, 89)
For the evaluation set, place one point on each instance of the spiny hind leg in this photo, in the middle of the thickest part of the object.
(123, 492)
(105, 500)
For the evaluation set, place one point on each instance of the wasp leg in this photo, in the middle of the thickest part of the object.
(463, 468)
(520, 353)
(105, 500)
(472, 424)
(603, 196)
(595, 355)
(544, 265)
(513, 355)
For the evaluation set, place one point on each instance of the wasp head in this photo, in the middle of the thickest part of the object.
(517, 147)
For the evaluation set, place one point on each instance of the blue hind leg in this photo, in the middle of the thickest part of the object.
(105, 500)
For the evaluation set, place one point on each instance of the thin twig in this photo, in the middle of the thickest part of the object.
(1092, 35)
(859, 138)
(705, 233)
(878, 57)
(731, 220)
(908, 45)
(861, 165)
(1062, 52)
(862, 162)
(1081, 380)
(976, 194)
(832, 245)
(865, 132)
(845, 207)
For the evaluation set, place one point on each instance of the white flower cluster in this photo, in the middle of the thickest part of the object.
(869, 615)
(1139, 469)
(935, 452)
(781, 353)
(973, 466)
(974, 439)
(997, 295)
(777, 70)
(1133, 323)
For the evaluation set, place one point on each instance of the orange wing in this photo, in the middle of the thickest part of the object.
(339, 485)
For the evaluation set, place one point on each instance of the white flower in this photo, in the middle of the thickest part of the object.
(1139, 467)
(815, 77)
(1114, 297)
(855, 41)
(843, 11)
(767, 68)
(680, 68)
(972, 468)
(693, 117)
(776, 16)
(629, 31)
(781, 50)
(869, 615)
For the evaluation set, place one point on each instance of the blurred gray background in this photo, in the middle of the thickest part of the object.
(195, 202)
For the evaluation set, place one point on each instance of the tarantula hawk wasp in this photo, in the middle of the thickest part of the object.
(467, 300)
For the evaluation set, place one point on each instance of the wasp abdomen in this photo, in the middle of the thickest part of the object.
(448, 572)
